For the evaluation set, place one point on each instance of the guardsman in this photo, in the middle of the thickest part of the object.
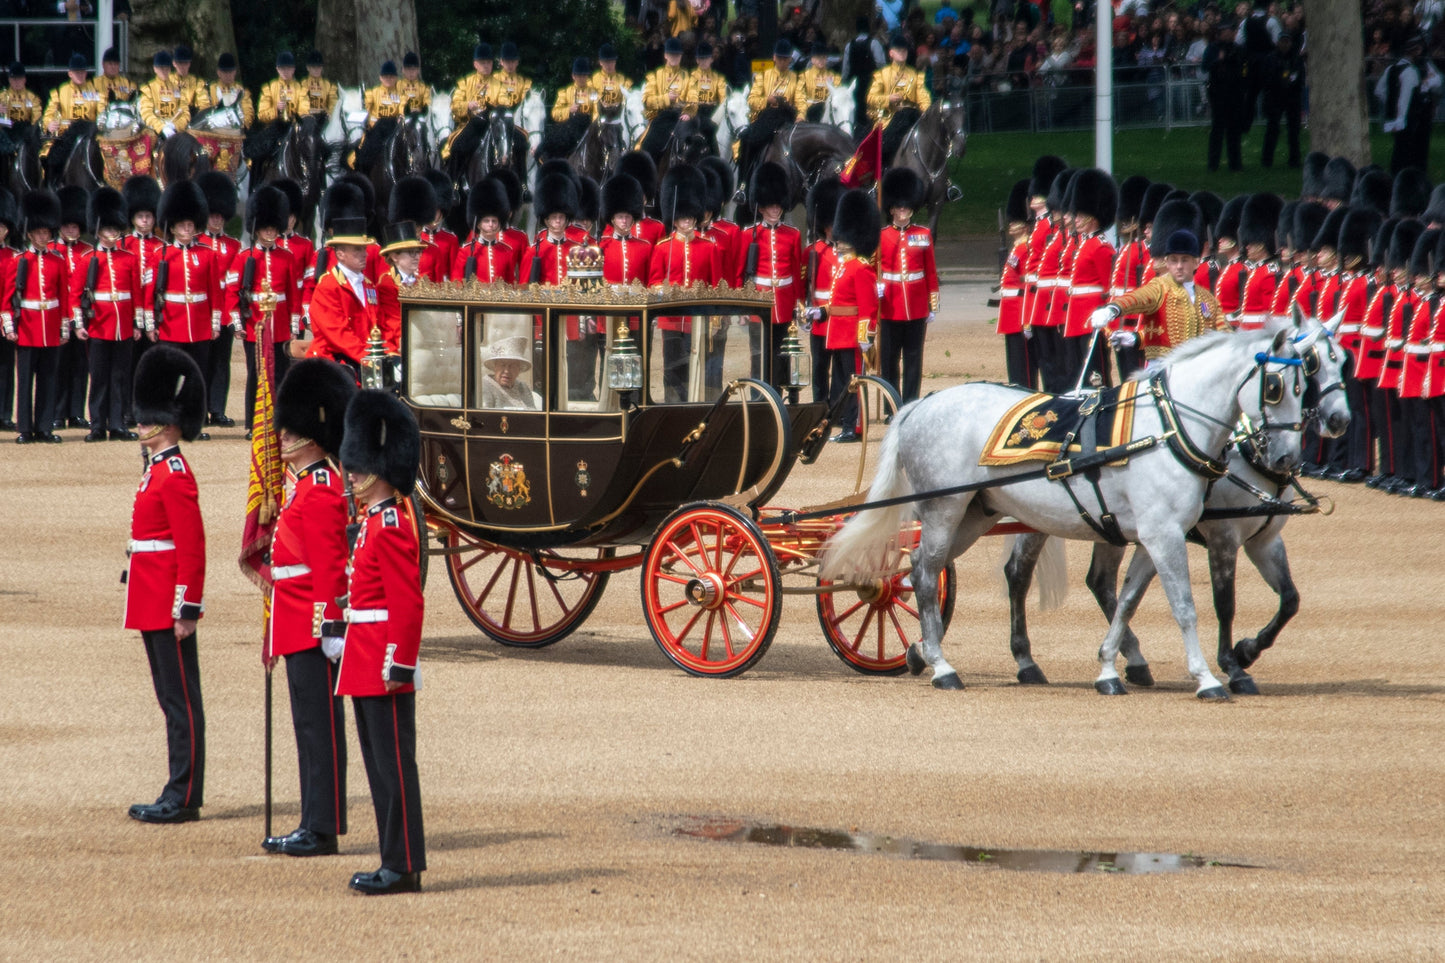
(816, 85)
(1419, 453)
(1173, 306)
(665, 89)
(225, 92)
(1333, 296)
(285, 97)
(683, 258)
(165, 579)
(1226, 243)
(819, 260)
(220, 193)
(321, 94)
(1096, 201)
(906, 268)
(344, 306)
(267, 265)
(1017, 360)
(897, 86)
(186, 290)
(577, 99)
(9, 231)
(142, 197)
(1350, 455)
(1046, 325)
(727, 234)
(112, 84)
(1046, 168)
(1289, 274)
(1435, 379)
(18, 103)
(612, 88)
(71, 378)
(851, 313)
(197, 96)
(164, 105)
(380, 454)
(1370, 356)
(772, 260)
(76, 99)
(1246, 288)
(1397, 322)
(640, 166)
(625, 258)
(441, 244)
(777, 86)
(415, 91)
(1131, 260)
(469, 98)
(1305, 280)
(508, 88)
(589, 209)
(545, 262)
(36, 315)
(308, 580)
(105, 292)
(487, 257)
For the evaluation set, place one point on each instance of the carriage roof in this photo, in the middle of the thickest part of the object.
(610, 296)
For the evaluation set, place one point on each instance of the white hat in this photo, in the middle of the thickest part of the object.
(509, 349)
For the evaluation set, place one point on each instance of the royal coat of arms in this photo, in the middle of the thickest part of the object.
(507, 485)
(1033, 426)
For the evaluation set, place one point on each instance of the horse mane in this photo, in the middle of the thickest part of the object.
(1195, 347)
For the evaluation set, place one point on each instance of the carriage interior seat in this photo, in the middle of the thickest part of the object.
(435, 362)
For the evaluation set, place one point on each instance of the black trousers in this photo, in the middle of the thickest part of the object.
(110, 368)
(765, 340)
(1048, 343)
(1224, 132)
(1415, 413)
(1437, 432)
(1382, 429)
(70, 380)
(1401, 439)
(1289, 110)
(283, 364)
(36, 372)
(1019, 360)
(902, 341)
(386, 728)
(218, 372)
(841, 364)
(7, 379)
(1082, 349)
(200, 352)
(320, 724)
(818, 348)
(176, 673)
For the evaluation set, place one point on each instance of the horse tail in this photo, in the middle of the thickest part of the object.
(861, 548)
(1051, 574)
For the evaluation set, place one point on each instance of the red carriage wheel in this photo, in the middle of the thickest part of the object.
(505, 595)
(711, 591)
(870, 627)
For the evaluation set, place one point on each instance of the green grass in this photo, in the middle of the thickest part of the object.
(993, 162)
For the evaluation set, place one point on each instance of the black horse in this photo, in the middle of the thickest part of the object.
(487, 142)
(926, 148)
(808, 152)
(20, 157)
(291, 150)
(394, 148)
(74, 158)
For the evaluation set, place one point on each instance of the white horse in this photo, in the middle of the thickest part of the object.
(439, 122)
(1231, 521)
(1191, 404)
(731, 118)
(634, 116)
(841, 107)
(534, 117)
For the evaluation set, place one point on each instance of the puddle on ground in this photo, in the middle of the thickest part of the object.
(1025, 860)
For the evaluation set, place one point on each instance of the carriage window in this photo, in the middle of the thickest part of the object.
(434, 360)
(692, 356)
(509, 362)
(583, 362)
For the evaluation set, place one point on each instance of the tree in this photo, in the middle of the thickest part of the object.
(355, 36)
(203, 25)
(1339, 124)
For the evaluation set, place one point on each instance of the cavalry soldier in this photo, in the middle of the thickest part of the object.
(9, 230)
(683, 258)
(577, 98)
(909, 299)
(773, 259)
(416, 93)
(625, 259)
(18, 103)
(402, 247)
(186, 289)
(76, 99)
(112, 85)
(106, 285)
(851, 313)
(220, 193)
(164, 104)
(1173, 306)
(267, 265)
(469, 98)
(819, 263)
(343, 308)
(897, 91)
(612, 88)
(665, 89)
(772, 104)
(486, 257)
(165, 579)
(1096, 200)
(321, 94)
(508, 88)
(71, 378)
(284, 98)
(817, 83)
(194, 88)
(225, 92)
(308, 579)
(1017, 360)
(383, 102)
(36, 315)
(1246, 288)
(380, 453)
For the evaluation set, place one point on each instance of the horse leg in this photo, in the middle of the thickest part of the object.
(1273, 563)
(947, 530)
(1018, 571)
(1136, 580)
(1102, 580)
(1223, 568)
(1169, 553)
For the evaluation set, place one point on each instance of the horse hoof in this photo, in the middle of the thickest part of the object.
(1033, 675)
(1139, 675)
(1110, 687)
(1215, 694)
(1246, 652)
(949, 681)
(916, 665)
(1244, 685)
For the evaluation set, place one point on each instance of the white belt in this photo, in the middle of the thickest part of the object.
(39, 305)
(772, 282)
(1417, 349)
(278, 297)
(1252, 319)
(1087, 289)
(822, 295)
(918, 276)
(289, 571)
(151, 545)
(1031, 279)
(355, 616)
(1372, 332)
(112, 296)
(187, 298)
(1349, 329)
(1010, 292)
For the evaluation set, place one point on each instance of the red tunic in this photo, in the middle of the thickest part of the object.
(226, 249)
(1435, 381)
(730, 238)
(166, 577)
(494, 262)
(823, 285)
(73, 252)
(1038, 243)
(1047, 277)
(1011, 291)
(625, 260)
(1370, 361)
(45, 302)
(303, 252)
(388, 301)
(1089, 287)
(1246, 292)
(339, 320)
(854, 302)
(147, 248)
(682, 262)
(439, 254)
(1402, 313)
(553, 256)
(1287, 290)
(779, 267)
(905, 266)
(1354, 301)
(191, 305)
(1417, 350)
(308, 561)
(274, 266)
(385, 604)
(116, 296)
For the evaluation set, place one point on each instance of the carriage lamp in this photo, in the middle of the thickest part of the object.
(373, 362)
(624, 365)
(796, 363)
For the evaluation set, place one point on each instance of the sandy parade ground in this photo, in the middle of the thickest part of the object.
(569, 792)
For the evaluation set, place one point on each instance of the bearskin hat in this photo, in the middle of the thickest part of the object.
(343, 201)
(1058, 196)
(107, 209)
(1131, 199)
(1357, 231)
(769, 186)
(1435, 210)
(1046, 168)
(724, 174)
(856, 222)
(312, 400)
(1402, 242)
(220, 193)
(1440, 253)
(73, 204)
(445, 190)
(1380, 246)
(1372, 188)
(1312, 177)
(512, 184)
(268, 207)
(1016, 208)
(1338, 181)
(1410, 194)
(1174, 216)
(555, 194)
(142, 193)
(1228, 223)
(412, 199)
(39, 209)
(1284, 226)
(823, 204)
(1328, 234)
(381, 439)
(295, 199)
(183, 201)
(589, 199)
(1309, 217)
(10, 212)
(1258, 220)
(368, 191)
(903, 187)
(1096, 195)
(1070, 189)
(681, 193)
(1154, 196)
(621, 194)
(488, 198)
(169, 390)
(1210, 205)
(640, 167)
(712, 189)
(1423, 252)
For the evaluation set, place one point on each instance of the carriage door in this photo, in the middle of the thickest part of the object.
(434, 382)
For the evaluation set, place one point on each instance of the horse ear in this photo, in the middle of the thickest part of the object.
(1281, 338)
(1333, 324)
(1304, 342)
(1297, 315)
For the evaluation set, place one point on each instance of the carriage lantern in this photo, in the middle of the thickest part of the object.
(795, 361)
(624, 365)
(373, 363)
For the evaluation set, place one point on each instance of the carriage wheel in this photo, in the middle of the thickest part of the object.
(871, 627)
(711, 591)
(506, 597)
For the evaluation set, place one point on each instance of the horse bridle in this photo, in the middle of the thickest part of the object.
(938, 143)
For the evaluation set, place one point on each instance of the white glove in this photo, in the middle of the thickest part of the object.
(1123, 339)
(295, 328)
(932, 317)
(1103, 317)
(815, 314)
(237, 327)
(1028, 332)
(881, 288)
(80, 331)
(168, 129)
(331, 646)
(215, 326)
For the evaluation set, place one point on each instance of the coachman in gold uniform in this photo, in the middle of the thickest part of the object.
(164, 104)
(898, 95)
(18, 103)
(816, 85)
(282, 99)
(112, 84)
(772, 104)
(412, 87)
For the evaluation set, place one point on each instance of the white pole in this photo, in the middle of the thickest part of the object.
(104, 33)
(1104, 85)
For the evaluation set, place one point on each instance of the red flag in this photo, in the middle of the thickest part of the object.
(266, 487)
(866, 164)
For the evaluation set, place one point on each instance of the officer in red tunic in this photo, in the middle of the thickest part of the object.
(35, 314)
(683, 258)
(344, 307)
(1323, 298)
(487, 257)
(403, 248)
(344, 201)
(266, 265)
(166, 577)
(9, 235)
(909, 301)
(380, 453)
(308, 581)
(772, 260)
(1350, 455)
(70, 383)
(625, 258)
(1435, 378)
(186, 290)
(819, 261)
(220, 193)
(300, 247)
(1397, 321)
(1370, 353)
(1017, 360)
(1419, 456)
(1096, 201)
(1045, 170)
(1039, 318)
(105, 292)
(515, 237)
(851, 312)
(545, 262)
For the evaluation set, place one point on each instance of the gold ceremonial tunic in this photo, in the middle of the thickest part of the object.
(772, 85)
(417, 94)
(661, 82)
(706, 88)
(230, 95)
(118, 87)
(382, 101)
(198, 97)
(280, 100)
(20, 106)
(1169, 317)
(471, 89)
(507, 91)
(164, 102)
(71, 102)
(321, 95)
(898, 79)
(583, 98)
(611, 89)
(815, 87)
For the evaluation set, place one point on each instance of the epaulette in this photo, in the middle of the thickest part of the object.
(389, 518)
(176, 464)
(321, 476)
